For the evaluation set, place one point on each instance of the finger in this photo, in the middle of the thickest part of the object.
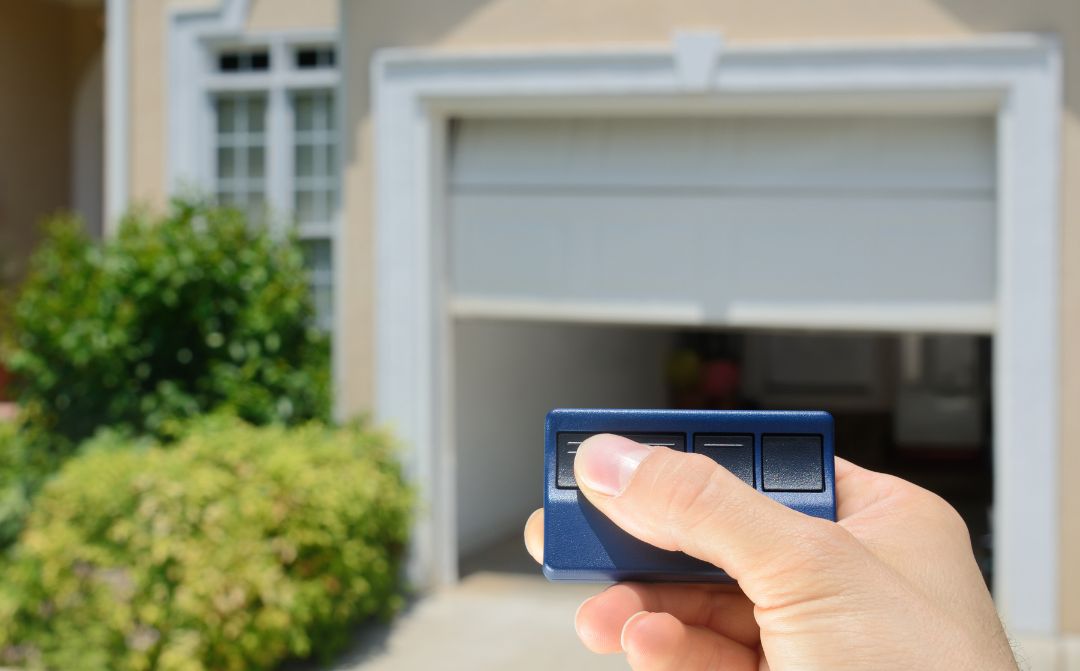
(679, 501)
(858, 488)
(599, 621)
(660, 642)
(534, 535)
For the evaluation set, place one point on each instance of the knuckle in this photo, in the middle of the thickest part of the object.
(937, 514)
(941, 512)
(948, 517)
(828, 539)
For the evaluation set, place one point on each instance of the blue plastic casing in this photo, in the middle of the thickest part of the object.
(581, 544)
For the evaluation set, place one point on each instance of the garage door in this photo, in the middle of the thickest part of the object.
(784, 221)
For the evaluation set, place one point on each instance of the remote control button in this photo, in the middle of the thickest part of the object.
(734, 452)
(566, 445)
(792, 463)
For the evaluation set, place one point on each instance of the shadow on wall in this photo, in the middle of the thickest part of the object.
(47, 50)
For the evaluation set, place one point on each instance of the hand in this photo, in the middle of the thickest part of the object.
(892, 585)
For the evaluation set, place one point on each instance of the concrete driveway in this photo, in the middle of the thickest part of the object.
(489, 620)
(502, 615)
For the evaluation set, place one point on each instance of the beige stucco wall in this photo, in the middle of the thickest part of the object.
(46, 49)
(293, 15)
(147, 74)
(523, 23)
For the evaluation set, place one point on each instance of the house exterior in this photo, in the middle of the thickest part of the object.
(417, 147)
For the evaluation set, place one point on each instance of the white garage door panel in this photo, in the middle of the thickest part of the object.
(947, 154)
(896, 220)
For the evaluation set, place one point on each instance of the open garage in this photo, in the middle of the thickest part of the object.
(789, 230)
(845, 229)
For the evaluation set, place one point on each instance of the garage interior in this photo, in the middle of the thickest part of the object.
(914, 405)
(842, 263)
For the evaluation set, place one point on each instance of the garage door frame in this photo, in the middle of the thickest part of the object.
(1016, 78)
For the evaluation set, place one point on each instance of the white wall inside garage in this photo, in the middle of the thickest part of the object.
(508, 376)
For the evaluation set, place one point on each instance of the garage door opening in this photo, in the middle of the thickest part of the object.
(915, 405)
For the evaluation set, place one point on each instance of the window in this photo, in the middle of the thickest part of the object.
(317, 254)
(244, 61)
(275, 148)
(315, 188)
(315, 158)
(241, 152)
(313, 58)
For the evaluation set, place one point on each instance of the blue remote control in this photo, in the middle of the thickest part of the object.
(785, 455)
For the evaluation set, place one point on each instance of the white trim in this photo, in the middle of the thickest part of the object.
(697, 55)
(258, 81)
(117, 111)
(608, 312)
(903, 318)
(1017, 77)
(1027, 382)
(337, 255)
(279, 128)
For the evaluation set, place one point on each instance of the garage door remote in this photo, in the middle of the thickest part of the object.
(785, 455)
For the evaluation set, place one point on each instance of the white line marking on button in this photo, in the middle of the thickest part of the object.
(723, 445)
(578, 442)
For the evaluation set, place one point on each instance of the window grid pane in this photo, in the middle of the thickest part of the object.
(315, 189)
(318, 257)
(312, 58)
(244, 61)
(315, 170)
(241, 152)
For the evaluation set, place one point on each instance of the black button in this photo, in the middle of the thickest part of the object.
(568, 443)
(734, 452)
(792, 464)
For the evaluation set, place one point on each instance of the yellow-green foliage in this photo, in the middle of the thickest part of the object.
(25, 463)
(14, 494)
(235, 548)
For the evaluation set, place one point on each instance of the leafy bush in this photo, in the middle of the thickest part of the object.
(235, 548)
(194, 312)
(24, 465)
(13, 500)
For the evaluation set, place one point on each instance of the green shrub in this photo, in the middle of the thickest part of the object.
(25, 463)
(235, 548)
(15, 486)
(173, 317)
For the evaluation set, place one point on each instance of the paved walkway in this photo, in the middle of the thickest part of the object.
(488, 621)
(503, 615)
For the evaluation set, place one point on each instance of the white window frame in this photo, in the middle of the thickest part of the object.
(195, 38)
(117, 106)
(1015, 78)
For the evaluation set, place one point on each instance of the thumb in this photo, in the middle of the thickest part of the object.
(686, 502)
